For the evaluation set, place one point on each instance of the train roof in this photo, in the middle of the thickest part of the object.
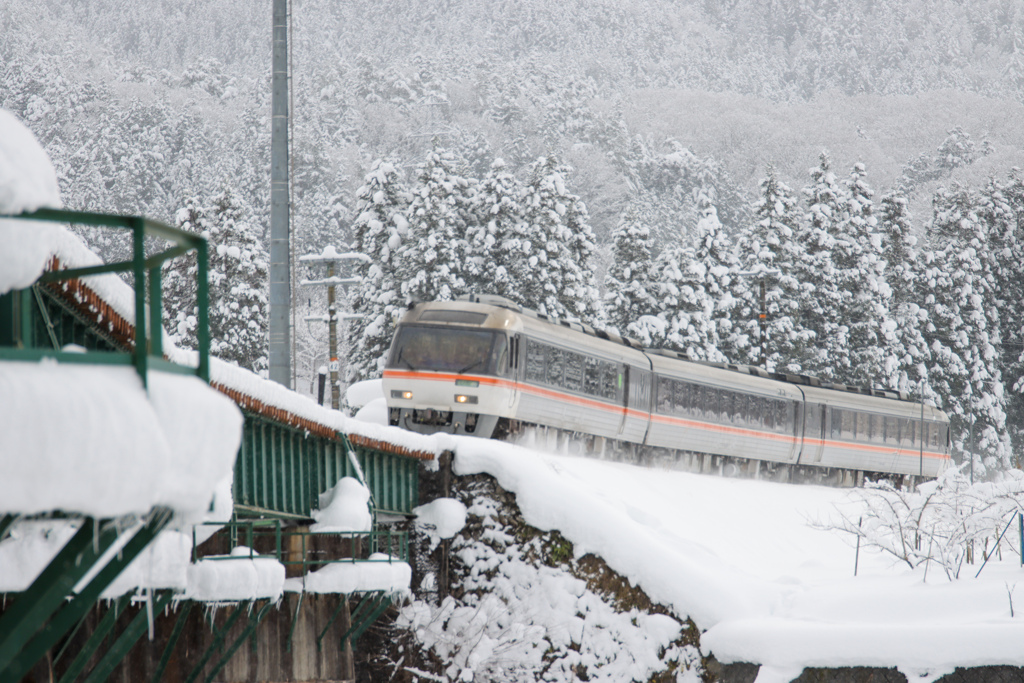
(753, 370)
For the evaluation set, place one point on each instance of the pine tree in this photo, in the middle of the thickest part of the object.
(860, 268)
(431, 263)
(628, 282)
(1001, 209)
(815, 270)
(685, 321)
(963, 331)
(494, 235)
(907, 349)
(238, 276)
(768, 252)
(716, 261)
(380, 227)
(559, 282)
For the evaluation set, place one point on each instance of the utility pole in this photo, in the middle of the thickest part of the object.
(280, 206)
(331, 256)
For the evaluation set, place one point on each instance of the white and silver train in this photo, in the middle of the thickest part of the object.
(485, 366)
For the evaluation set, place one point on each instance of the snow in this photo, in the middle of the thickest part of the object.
(380, 573)
(344, 508)
(27, 182)
(374, 412)
(744, 560)
(118, 449)
(242, 575)
(446, 516)
(361, 393)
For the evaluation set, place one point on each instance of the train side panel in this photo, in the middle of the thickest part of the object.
(877, 434)
(704, 409)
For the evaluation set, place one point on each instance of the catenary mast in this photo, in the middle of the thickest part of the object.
(280, 204)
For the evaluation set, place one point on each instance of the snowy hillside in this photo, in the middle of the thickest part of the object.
(739, 557)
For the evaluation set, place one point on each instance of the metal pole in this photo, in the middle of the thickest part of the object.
(333, 339)
(921, 440)
(764, 324)
(971, 454)
(280, 205)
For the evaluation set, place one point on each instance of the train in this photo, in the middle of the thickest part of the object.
(485, 366)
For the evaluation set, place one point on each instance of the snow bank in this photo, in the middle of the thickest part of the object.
(361, 393)
(374, 412)
(627, 543)
(235, 577)
(743, 560)
(355, 577)
(445, 516)
(101, 446)
(345, 507)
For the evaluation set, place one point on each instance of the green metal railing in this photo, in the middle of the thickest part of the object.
(266, 538)
(148, 341)
(283, 470)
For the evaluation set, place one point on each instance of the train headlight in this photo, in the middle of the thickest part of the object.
(462, 398)
(395, 393)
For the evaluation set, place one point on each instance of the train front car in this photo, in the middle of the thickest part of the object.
(450, 368)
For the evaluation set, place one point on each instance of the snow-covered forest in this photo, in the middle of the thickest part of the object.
(642, 166)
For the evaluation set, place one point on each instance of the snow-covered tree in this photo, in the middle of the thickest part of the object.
(495, 235)
(859, 266)
(907, 348)
(715, 258)
(963, 330)
(628, 283)
(238, 277)
(768, 253)
(432, 259)
(561, 245)
(380, 227)
(685, 319)
(821, 296)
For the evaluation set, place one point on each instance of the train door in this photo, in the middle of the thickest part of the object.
(639, 387)
(514, 364)
(624, 386)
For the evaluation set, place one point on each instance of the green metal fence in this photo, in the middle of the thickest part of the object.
(283, 470)
(27, 331)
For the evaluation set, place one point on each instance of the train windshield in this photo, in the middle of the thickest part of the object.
(449, 349)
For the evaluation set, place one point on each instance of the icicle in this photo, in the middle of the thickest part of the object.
(149, 612)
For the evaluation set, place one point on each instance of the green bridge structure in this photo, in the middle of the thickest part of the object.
(284, 464)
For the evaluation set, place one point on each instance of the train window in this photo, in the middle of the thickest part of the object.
(554, 372)
(847, 424)
(863, 426)
(534, 361)
(499, 355)
(592, 376)
(686, 398)
(679, 397)
(448, 349)
(733, 407)
(875, 432)
(664, 395)
(892, 430)
(790, 425)
(574, 371)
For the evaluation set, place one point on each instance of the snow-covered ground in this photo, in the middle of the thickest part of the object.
(743, 560)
